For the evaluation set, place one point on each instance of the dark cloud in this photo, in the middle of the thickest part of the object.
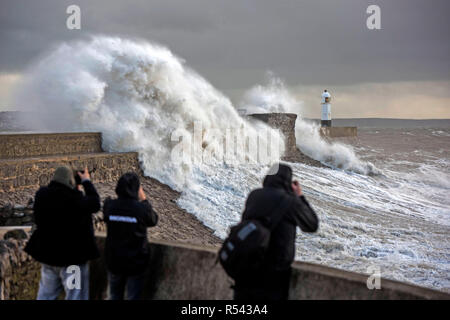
(233, 43)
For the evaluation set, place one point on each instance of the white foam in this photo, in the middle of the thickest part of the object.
(275, 97)
(138, 93)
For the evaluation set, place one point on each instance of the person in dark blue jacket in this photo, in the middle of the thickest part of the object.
(126, 249)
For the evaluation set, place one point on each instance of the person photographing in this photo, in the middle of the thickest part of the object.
(260, 250)
(126, 249)
(64, 241)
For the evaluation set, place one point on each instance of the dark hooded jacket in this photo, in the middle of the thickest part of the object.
(263, 204)
(63, 215)
(127, 219)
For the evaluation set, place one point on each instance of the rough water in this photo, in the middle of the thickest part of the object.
(397, 221)
(382, 201)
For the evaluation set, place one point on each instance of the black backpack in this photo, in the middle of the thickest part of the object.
(243, 251)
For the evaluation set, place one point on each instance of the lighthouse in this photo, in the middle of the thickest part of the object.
(326, 109)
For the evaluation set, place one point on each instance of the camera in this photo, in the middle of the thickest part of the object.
(77, 177)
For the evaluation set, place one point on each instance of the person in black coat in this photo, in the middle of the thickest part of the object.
(272, 280)
(64, 235)
(126, 249)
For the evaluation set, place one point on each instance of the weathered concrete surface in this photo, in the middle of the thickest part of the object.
(45, 144)
(180, 271)
(337, 132)
(175, 272)
(17, 174)
(19, 273)
(285, 122)
(311, 281)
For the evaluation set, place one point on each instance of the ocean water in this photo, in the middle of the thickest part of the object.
(382, 199)
(397, 221)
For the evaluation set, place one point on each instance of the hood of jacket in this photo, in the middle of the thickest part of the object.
(128, 186)
(281, 180)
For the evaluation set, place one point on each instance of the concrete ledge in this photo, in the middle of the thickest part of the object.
(182, 271)
(44, 144)
(285, 122)
(17, 174)
(337, 132)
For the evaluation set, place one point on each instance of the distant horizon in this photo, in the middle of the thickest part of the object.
(346, 118)
(298, 48)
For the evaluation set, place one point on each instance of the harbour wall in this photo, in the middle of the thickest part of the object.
(182, 271)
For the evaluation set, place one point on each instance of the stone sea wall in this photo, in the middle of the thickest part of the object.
(19, 273)
(285, 122)
(339, 132)
(181, 271)
(45, 144)
(18, 174)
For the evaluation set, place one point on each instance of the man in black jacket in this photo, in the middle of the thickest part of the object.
(64, 238)
(272, 280)
(126, 248)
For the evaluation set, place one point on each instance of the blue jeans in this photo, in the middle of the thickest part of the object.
(117, 284)
(74, 280)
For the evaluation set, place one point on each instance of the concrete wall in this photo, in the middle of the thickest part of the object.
(180, 271)
(338, 132)
(33, 145)
(29, 160)
(19, 273)
(17, 174)
(285, 122)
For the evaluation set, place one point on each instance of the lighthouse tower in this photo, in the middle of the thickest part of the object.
(326, 109)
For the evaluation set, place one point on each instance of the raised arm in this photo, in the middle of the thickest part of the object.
(90, 202)
(151, 217)
(303, 215)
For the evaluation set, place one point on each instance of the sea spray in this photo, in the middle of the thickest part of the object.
(275, 97)
(142, 98)
(138, 94)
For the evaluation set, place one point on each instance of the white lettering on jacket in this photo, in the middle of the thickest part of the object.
(123, 219)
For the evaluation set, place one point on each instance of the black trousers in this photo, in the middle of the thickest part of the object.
(118, 283)
(268, 285)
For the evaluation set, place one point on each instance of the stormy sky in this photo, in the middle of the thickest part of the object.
(400, 71)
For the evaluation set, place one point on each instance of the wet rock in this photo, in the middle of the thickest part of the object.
(11, 222)
(27, 219)
(17, 234)
(30, 203)
(7, 209)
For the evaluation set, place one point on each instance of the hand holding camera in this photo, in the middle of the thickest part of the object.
(296, 187)
(84, 175)
(141, 194)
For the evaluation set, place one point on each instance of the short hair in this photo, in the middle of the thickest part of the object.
(325, 90)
